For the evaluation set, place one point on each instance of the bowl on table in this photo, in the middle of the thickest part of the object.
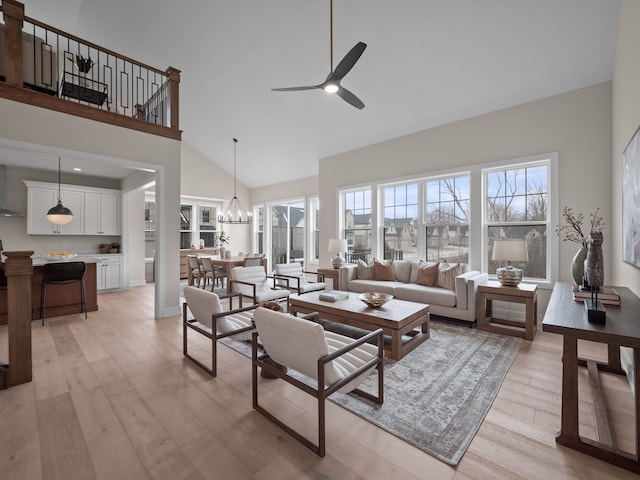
(375, 300)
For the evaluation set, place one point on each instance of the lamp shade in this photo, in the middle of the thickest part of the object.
(337, 245)
(510, 251)
(59, 215)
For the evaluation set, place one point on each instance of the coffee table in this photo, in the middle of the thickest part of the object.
(407, 323)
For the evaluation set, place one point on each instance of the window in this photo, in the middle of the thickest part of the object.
(259, 214)
(208, 220)
(400, 226)
(516, 207)
(314, 228)
(447, 219)
(185, 227)
(456, 216)
(287, 232)
(356, 217)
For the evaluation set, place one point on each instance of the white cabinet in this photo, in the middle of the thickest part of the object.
(101, 213)
(40, 200)
(96, 211)
(109, 272)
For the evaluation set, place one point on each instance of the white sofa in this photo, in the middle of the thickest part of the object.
(459, 303)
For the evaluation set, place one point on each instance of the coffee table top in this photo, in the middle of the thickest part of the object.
(394, 311)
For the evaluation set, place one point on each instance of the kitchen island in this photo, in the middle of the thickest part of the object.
(61, 299)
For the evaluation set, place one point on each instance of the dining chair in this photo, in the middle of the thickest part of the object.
(212, 272)
(197, 271)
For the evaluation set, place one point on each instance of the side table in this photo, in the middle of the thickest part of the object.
(523, 293)
(333, 274)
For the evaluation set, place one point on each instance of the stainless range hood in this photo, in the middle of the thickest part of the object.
(4, 212)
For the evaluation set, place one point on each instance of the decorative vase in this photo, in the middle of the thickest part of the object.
(577, 265)
(595, 262)
(222, 250)
(227, 254)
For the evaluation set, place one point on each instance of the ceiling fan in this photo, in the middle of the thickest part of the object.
(332, 83)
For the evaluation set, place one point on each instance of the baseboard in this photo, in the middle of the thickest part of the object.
(137, 283)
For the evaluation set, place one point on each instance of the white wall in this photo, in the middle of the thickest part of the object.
(576, 124)
(203, 178)
(66, 134)
(626, 119)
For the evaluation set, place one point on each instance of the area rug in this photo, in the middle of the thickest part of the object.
(437, 396)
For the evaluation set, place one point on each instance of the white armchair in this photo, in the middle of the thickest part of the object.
(209, 319)
(253, 282)
(297, 278)
(336, 362)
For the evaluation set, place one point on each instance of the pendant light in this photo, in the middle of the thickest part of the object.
(235, 212)
(59, 215)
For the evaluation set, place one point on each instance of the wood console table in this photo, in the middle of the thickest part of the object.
(569, 318)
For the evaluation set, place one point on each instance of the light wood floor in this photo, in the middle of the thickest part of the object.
(113, 398)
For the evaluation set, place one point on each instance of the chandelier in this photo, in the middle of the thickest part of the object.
(235, 212)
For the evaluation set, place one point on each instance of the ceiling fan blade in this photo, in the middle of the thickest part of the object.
(293, 89)
(349, 97)
(347, 62)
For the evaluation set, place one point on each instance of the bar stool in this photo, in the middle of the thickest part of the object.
(62, 274)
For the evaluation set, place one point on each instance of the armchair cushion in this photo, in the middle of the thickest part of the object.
(204, 304)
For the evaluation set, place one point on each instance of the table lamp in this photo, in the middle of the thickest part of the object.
(337, 246)
(510, 251)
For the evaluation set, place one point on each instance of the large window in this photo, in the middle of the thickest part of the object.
(447, 219)
(287, 232)
(356, 217)
(516, 207)
(456, 216)
(400, 227)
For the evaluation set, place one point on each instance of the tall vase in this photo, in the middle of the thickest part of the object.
(577, 265)
(222, 249)
(595, 261)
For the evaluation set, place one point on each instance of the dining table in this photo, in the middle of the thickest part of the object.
(229, 263)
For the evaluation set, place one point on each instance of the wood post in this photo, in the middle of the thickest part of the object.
(13, 13)
(18, 269)
(174, 96)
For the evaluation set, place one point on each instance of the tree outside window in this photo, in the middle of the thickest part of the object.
(517, 208)
(447, 219)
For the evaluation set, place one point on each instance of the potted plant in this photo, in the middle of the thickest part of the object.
(572, 232)
(223, 239)
(84, 64)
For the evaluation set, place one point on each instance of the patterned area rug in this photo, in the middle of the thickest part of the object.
(437, 396)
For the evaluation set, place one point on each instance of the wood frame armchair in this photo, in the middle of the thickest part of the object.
(296, 277)
(209, 319)
(336, 362)
(254, 283)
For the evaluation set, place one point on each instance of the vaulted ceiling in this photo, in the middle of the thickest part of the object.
(427, 63)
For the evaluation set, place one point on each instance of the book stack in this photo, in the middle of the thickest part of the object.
(333, 295)
(606, 295)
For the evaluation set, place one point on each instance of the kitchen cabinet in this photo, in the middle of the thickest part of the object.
(101, 213)
(96, 211)
(109, 272)
(40, 200)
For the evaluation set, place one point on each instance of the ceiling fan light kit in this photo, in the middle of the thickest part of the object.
(332, 83)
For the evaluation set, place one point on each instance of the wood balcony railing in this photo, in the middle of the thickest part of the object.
(43, 66)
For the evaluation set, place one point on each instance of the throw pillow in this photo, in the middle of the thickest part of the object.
(428, 275)
(364, 271)
(384, 270)
(447, 276)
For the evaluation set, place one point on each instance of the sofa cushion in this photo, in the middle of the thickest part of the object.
(364, 271)
(429, 295)
(403, 270)
(447, 276)
(427, 275)
(378, 286)
(384, 270)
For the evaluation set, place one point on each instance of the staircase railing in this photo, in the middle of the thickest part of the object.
(62, 72)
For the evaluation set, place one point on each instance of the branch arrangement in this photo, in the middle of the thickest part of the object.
(572, 231)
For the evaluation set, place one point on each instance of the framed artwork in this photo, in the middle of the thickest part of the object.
(631, 201)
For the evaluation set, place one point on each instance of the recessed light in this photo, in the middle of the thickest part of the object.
(76, 169)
